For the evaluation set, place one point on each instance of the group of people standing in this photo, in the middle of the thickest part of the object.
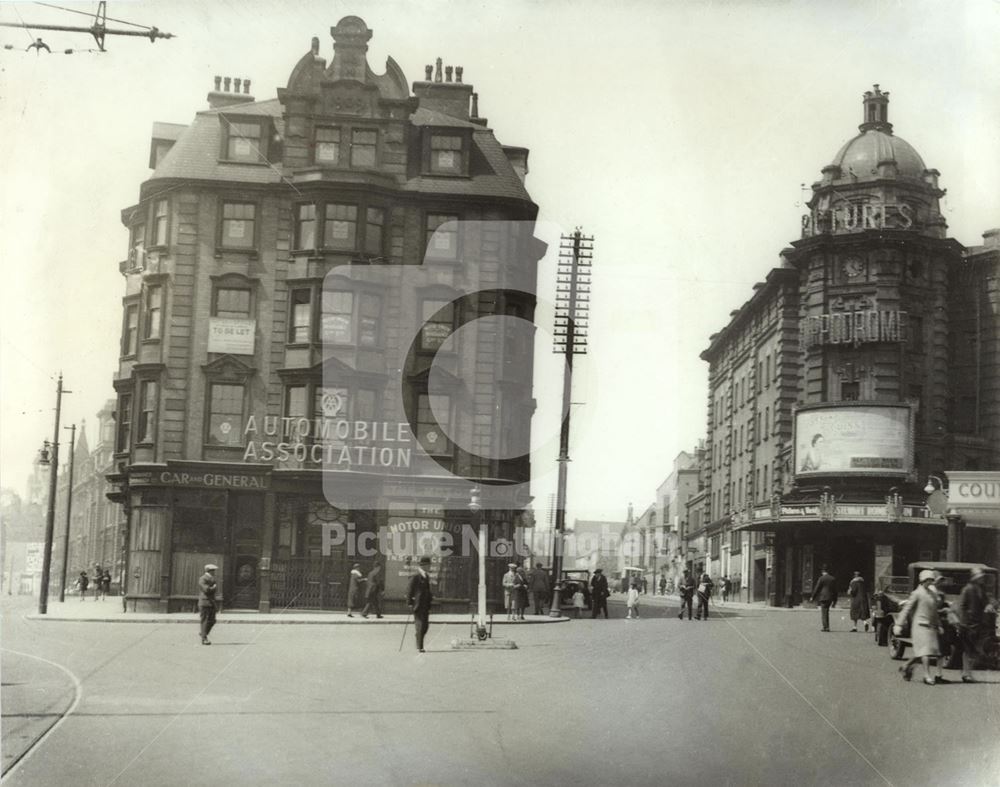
(518, 583)
(373, 587)
(101, 582)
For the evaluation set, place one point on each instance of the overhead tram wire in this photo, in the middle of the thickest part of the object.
(99, 30)
(87, 13)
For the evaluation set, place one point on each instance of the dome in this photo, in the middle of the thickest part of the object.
(860, 157)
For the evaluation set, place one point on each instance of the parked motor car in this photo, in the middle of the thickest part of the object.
(573, 578)
(952, 577)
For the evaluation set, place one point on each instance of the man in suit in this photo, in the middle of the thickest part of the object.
(206, 601)
(825, 593)
(375, 586)
(599, 593)
(686, 590)
(419, 598)
(540, 588)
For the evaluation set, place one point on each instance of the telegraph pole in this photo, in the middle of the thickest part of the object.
(569, 339)
(69, 507)
(50, 519)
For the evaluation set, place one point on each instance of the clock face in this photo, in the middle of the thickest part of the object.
(853, 267)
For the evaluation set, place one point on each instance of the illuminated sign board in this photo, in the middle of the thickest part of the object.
(861, 326)
(854, 216)
(854, 439)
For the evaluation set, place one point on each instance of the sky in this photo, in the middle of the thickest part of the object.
(679, 134)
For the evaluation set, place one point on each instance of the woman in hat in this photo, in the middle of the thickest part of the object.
(860, 610)
(921, 612)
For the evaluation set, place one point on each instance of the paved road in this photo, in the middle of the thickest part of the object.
(755, 697)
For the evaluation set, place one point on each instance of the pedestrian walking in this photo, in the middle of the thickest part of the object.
(860, 610)
(509, 600)
(354, 589)
(726, 587)
(825, 593)
(520, 592)
(207, 587)
(704, 593)
(106, 583)
(632, 602)
(578, 601)
(920, 612)
(83, 582)
(973, 632)
(419, 598)
(644, 585)
(663, 586)
(686, 590)
(374, 587)
(599, 593)
(540, 591)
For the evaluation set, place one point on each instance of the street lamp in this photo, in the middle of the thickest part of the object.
(476, 509)
(956, 524)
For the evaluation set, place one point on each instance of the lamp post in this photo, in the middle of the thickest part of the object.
(476, 509)
(69, 508)
(956, 524)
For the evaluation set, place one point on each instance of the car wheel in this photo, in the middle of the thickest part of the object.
(896, 649)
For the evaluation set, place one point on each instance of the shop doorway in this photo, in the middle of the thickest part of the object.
(760, 579)
(246, 521)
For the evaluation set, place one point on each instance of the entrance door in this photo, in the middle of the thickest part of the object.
(760, 579)
(246, 522)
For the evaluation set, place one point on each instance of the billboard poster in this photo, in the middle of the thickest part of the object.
(853, 440)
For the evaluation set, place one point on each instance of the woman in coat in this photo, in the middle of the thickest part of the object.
(859, 601)
(354, 589)
(921, 612)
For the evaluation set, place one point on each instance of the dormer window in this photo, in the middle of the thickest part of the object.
(243, 141)
(447, 154)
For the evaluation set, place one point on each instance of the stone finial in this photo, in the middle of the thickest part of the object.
(237, 84)
(314, 46)
(218, 84)
(428, 73)
(246, 86)
(447, 73)
(458, 73)
(226, 83)
(437, 70)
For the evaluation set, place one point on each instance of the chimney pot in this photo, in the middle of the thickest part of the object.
(428, 72)
(237, 84)
(458, 73)
(437, 70)
(218, 84)
(226, 82)
(475, 105)
(314, 46)
(246, 86)
(447, 73)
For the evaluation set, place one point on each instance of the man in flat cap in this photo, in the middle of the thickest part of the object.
(419, 598)
(206, 601)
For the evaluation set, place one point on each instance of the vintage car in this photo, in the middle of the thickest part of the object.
(573, 578)
(952, 577)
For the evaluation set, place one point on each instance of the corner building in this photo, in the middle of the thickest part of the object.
(860, 367)
(310, 355)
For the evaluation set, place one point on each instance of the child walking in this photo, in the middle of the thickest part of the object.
(578, 601)
(633, 603)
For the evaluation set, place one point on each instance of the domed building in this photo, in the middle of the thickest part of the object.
(866, 364)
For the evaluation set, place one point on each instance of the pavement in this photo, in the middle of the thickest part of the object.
(110, 611)
(751, 696)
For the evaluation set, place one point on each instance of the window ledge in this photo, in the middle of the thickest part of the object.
(221, 250)
(156, 340)
(244, 163)
(216, 447)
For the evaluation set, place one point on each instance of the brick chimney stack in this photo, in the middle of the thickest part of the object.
(444, 91)
(227, 92)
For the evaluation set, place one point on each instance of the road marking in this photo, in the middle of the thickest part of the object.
(78, 693)
(806, 700)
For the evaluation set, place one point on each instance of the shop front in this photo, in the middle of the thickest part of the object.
(281, 544)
